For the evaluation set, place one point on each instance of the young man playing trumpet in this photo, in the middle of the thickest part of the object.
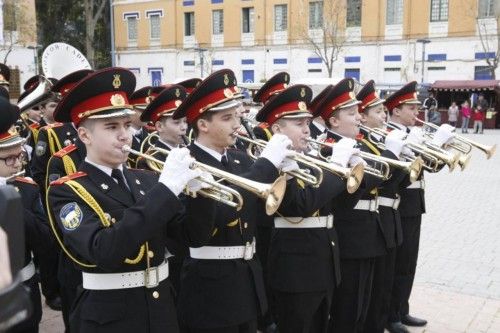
(356, 215)
(303, 258)
(113, 221)
(222, 288)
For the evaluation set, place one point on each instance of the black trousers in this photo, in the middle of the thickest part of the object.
(303, 312)
(352, 297)
(383, 278)
(69, 279)
(30, 324)
(405, 267)
(248, 327)
(263, 237)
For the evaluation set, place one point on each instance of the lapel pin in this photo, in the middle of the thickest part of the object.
(104, 186)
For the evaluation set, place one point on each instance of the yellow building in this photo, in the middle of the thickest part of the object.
(164, 40)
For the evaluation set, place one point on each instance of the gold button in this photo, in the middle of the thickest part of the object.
(245, 225)
(333, 244)
(142, 192)
(151, 254)
(156, 294)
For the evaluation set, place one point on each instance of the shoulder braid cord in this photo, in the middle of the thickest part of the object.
(89, 200)
(376, 152)
(69, 168)
(34, 132)
(54, 143)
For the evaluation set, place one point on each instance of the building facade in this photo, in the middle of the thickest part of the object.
(166, 40)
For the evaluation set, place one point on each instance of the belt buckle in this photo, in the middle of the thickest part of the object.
(329, 221)
(374, 207)
(248, 255)
(396, 202)
(147, 277)
(422, 184)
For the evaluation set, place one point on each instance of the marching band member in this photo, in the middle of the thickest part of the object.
(38, 237)
(317, 126)
(303, 258)
(222, 289)
(112, 221)
(356, 215)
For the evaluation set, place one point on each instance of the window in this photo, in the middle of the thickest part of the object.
(436, 68)
(353, 18)
(132, 28)
(155, 26)
(394, 13)
(483, 73)
(352, 72)
(315, 14)
(189, 24)
(9, 15)
(247, 15)
(217, 22)
(280, 18)
(486, 8)
(439, 10)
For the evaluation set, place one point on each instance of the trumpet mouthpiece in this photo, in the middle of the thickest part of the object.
(125, 148)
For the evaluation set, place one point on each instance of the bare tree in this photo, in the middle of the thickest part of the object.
(19, 27)
(325, 34)
(489, 35)
(94, 10)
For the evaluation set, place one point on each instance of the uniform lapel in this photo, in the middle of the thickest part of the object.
(134, 184)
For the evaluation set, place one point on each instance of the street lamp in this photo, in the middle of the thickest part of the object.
(423, 41)
(200, 51)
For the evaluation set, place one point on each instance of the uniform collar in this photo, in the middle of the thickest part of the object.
(400, 126)
(319, 126)
(107, 170)
(169, 146)
(213, 153)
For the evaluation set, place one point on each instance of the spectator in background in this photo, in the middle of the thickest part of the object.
(478, 117)
(453, 114)
(431, 107)
(466, 113)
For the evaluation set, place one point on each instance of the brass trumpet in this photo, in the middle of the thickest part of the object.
(271, 193)
(465, 145)
(301, 174)
(14, 176)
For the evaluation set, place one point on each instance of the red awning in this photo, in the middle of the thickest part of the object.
(465, 85)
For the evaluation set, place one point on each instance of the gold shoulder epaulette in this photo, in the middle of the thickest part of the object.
(66, 150)
(26, 180)
(64, 179)
(54, 125)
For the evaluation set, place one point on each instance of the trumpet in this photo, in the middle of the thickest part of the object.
(14, 176)
(464, 144)
(41, 93)
(272, 193)
(301, 174)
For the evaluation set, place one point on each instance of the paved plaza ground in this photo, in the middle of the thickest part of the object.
(457, 287)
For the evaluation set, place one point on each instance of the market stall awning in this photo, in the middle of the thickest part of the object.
(464, 85)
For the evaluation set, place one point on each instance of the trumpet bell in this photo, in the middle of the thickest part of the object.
(274, 195)
(489, 150)
(355, 177)
(463, 161)
(415, 168)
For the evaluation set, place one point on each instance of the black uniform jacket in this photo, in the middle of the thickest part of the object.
(306, 259)
(219, 293)
(360, 231)
(137, 141)
(51, 138)
(66, 161)
(129, 234)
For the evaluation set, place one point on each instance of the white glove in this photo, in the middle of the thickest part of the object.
(5, 274)
(194, 185)
(416, 136)
(407, 152)
(277, 149)
(355, 159)
(394, 141)
(342, 151)
(3, 181)
(443, 135)
(289, 165)
(176, 172)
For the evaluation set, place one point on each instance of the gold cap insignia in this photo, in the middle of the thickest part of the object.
(351, 95)
(2, 78)
(285, 77)
(228, 93)
(177, 103)
(12, 130)
(285, 85)
(149, 99)
(376, 95)
(302, 106)
(117, 100)
(177, 92)
(226, 79)
(303, 92)
(237, 89)
(116, 81)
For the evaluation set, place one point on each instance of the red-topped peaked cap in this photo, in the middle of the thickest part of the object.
(65, 84)
(318, 99)
(274, 85)
(406, 95)
(368, 96)
(8, 116)
(142, 97)
(4, 74)
(102, 94)
(165, 104)
(338, 97)
(218, 92)
(190, 84)
(288, 104)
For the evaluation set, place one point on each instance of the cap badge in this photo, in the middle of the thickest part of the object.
(149, 99)
(177, 92)
(285, 77)
(302, 106)
(177, 103)
(2, 78)
(116, 81)
(228, 93)
(117, 100)
(351, 95)
(226, 79)
(12, 130)
(237, 89)
(302, 92)
(285, 85)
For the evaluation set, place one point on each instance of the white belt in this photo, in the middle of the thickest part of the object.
(389, 202)
(371, 205)
(417, 184)
(223, 252)
(148, 278)
(306, 222)
(27, 271)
